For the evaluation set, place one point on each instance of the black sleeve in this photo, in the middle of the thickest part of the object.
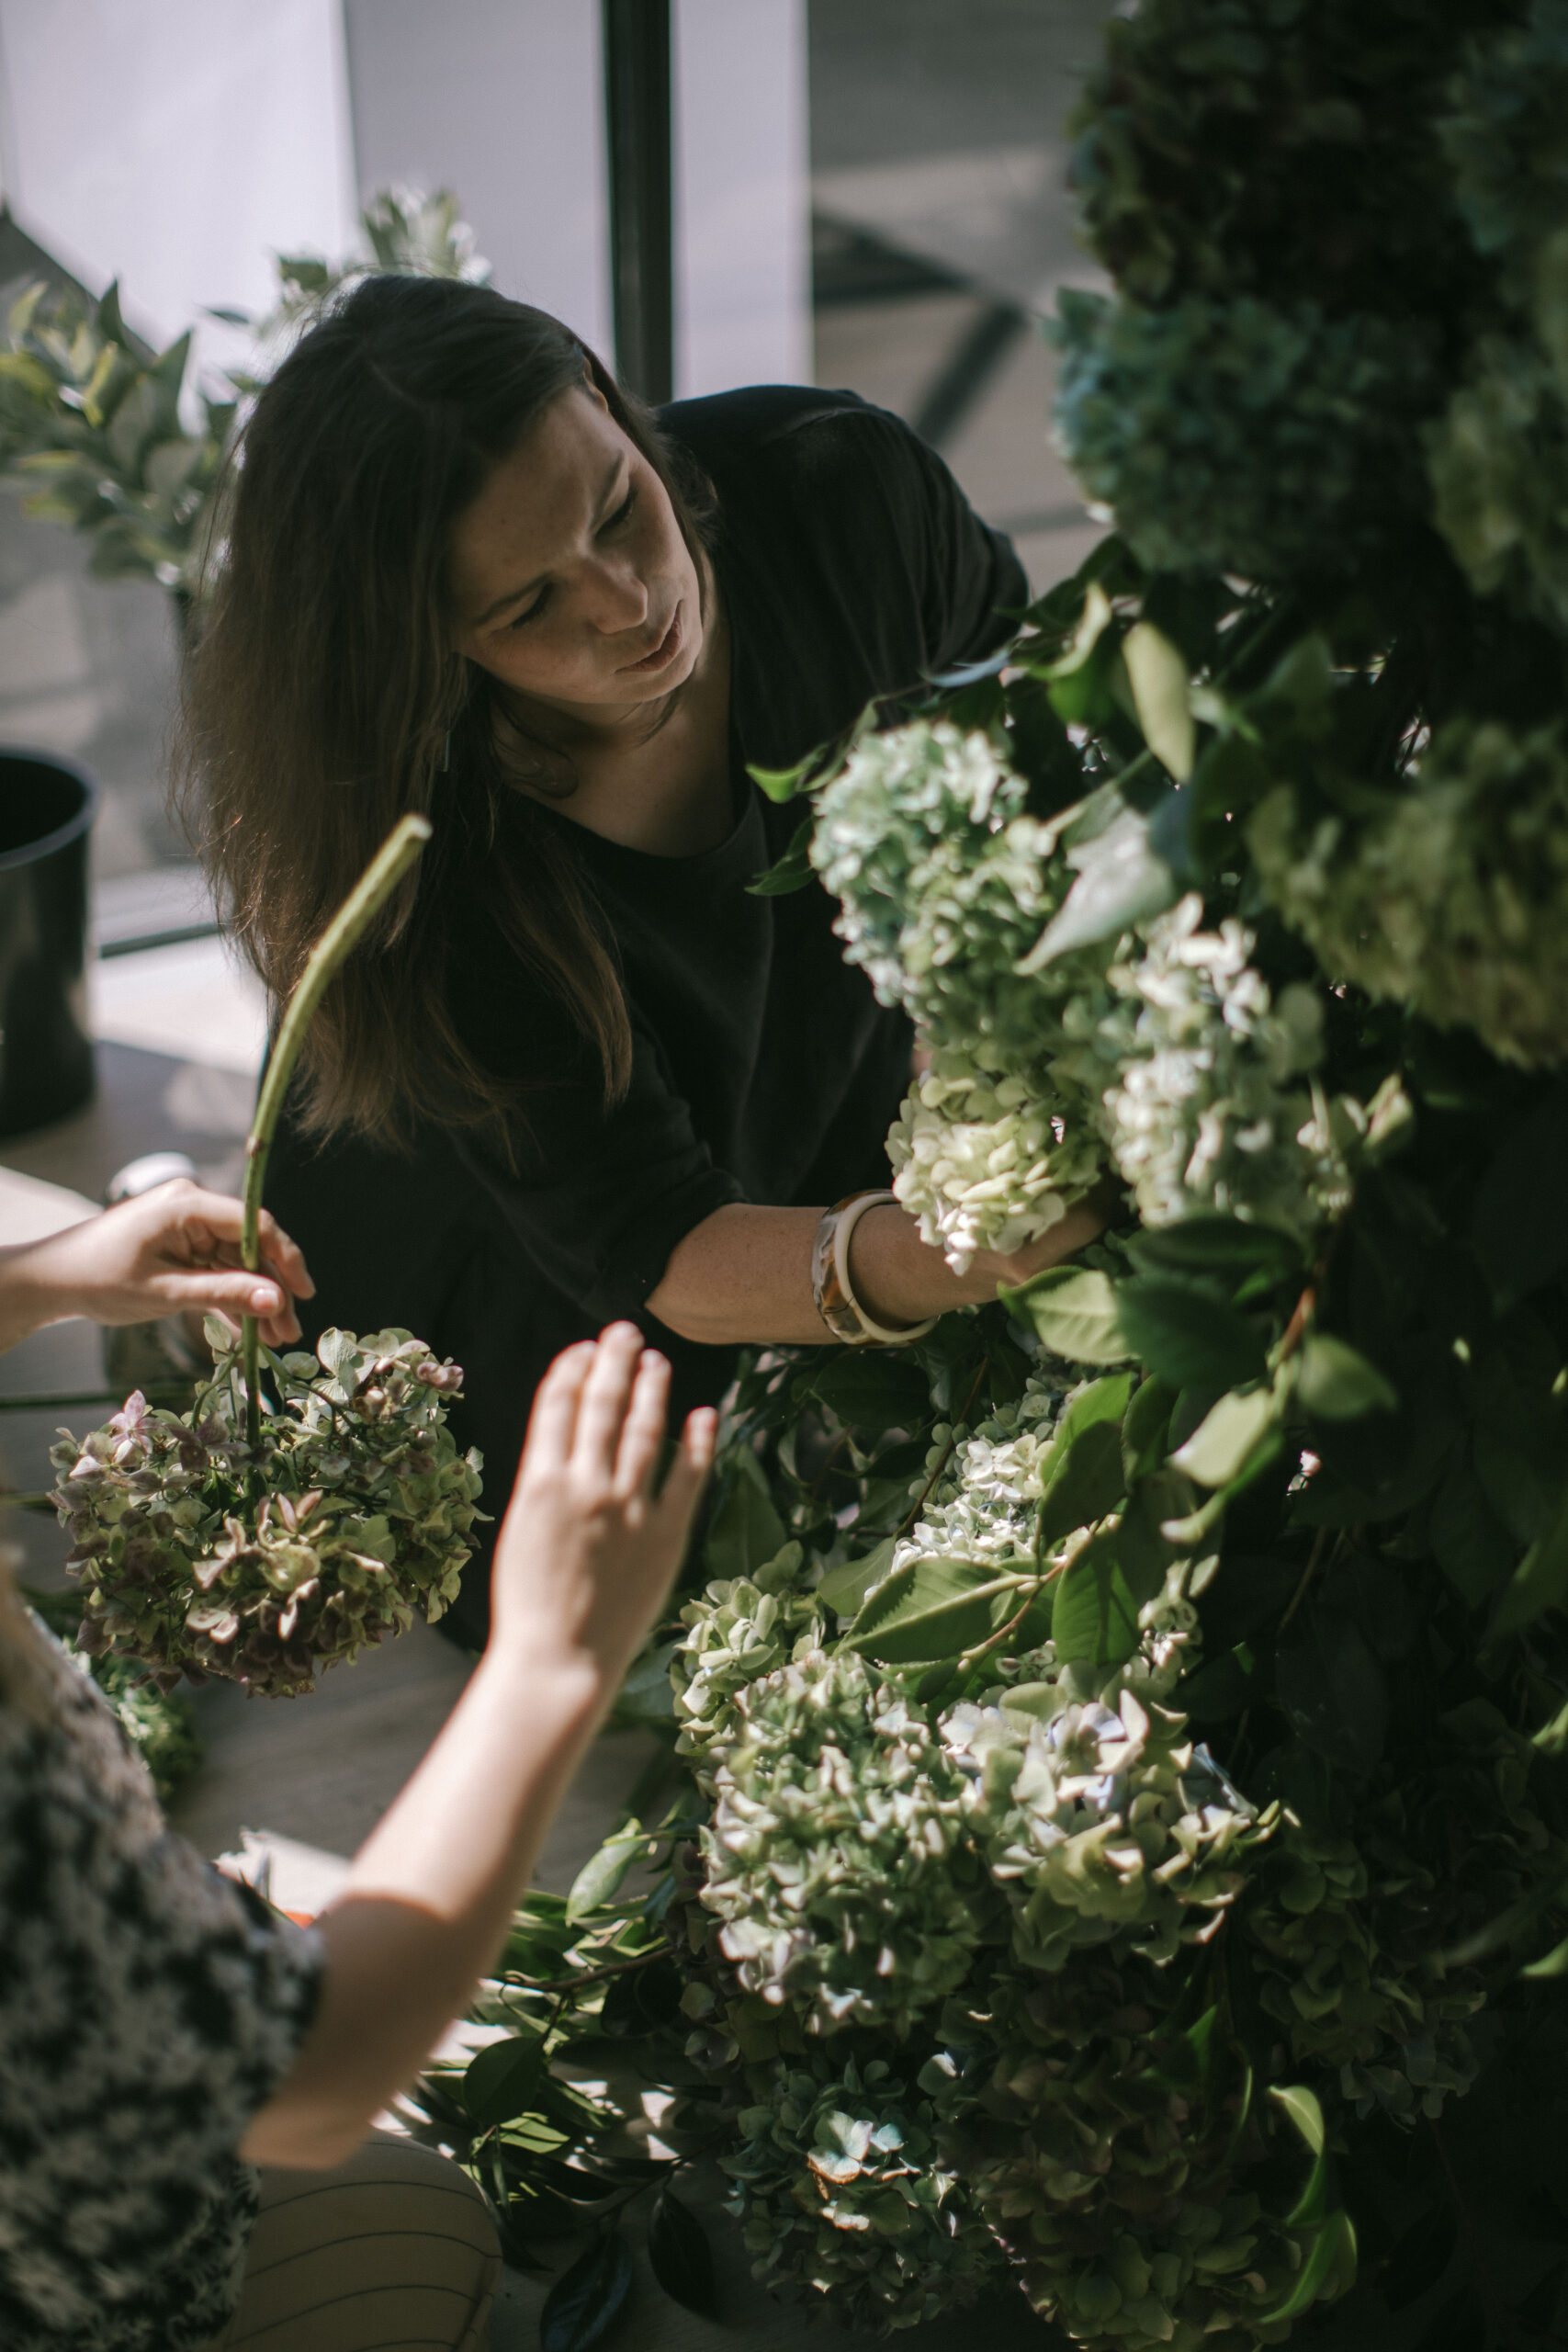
(597, 1199)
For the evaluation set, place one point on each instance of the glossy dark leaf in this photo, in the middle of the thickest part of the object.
(1541, 1580)
(679, 2256)
(1145, 1429)
(502, 2080)
(1519, 1225)
(933, 1609)
(583, 2302)
(1333, 1691)
(746, 1531)
(1074, 1311)
(1335, 1383)
(1081, 1476)
(1095, 1617)
(1186, 1335)
(1225, 1249)
(1468, 1542)
(793, 871)
(874, 1392)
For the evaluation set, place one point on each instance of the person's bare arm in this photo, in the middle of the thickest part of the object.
(584, 1563)
(744, 1274)
(174, 1249)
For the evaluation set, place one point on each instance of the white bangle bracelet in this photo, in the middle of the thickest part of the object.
(844, 1232)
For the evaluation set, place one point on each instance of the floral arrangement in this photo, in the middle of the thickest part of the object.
(1118, 1841)
(292, 1514)
(200, 1553)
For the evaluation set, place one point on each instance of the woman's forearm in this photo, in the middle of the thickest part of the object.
(428, 1900)
(744, 1274)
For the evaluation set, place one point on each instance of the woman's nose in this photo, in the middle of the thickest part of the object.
(617, 599)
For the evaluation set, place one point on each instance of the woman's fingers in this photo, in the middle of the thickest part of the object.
(232, 1290)
(688, 1472)
(642, 1434)
(552, 1424)
(606, 1398)
(285, 1257)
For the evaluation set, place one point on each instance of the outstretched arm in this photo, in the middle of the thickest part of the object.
(584, 1560)
(167, 1252)
(744, 1273)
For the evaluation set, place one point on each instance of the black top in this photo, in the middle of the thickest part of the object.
(851, 567)
(763, 1070)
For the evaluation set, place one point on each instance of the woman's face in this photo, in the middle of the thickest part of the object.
(569, 578)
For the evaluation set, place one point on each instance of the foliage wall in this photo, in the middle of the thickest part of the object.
(1118, 1839)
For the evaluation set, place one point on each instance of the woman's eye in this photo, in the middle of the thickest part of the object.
(522, 619)
(612, 521)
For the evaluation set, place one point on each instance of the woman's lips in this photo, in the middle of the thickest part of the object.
(663, 653)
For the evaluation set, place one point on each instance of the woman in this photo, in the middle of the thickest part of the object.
(161, 2031)
(464, 573)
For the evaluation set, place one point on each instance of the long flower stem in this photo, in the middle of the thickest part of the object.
(369, 893)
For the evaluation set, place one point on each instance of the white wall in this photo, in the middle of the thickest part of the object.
(503, 101)
(742, 203)
(179, 143)
(176, 144)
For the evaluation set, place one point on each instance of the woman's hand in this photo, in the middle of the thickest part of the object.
(589, 1550)
(582, 1565)
(173, 1250)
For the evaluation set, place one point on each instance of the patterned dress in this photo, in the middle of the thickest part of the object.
(148, 2008)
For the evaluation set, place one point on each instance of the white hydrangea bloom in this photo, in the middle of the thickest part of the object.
(1215, 1107)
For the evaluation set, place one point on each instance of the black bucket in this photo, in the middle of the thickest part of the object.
(47, 807)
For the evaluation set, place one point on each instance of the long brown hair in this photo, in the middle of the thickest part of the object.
(323, 698)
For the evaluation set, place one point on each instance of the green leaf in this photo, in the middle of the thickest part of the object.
(1095, 1617)
(1518, 1226)
(679, 2256)
(1158, 675)
(1305, 2111)
(1469, 1543)
(1121, 881)
(1225, 1247)
(603, 1872)
(934, 1609)
(1220, 1446)
(1551, 1963)
(1541, 1580)
(784, 784)
(503, 2080)
(1331, 1690)
(1186, 1335)
(746, 1531)
(844, 1589)
(791, 872)
(1335, 1383)
(1082, 1469)
(1146, 1429)
(1330, 2265)
(586, 2298)
(1074, 1312)
(645, 1697)
(872, 1391)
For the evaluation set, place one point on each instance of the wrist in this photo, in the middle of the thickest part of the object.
(885, 1269)
(28, 1297)
(564, 1680)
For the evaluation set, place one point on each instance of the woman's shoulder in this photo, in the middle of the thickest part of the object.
(794, 438)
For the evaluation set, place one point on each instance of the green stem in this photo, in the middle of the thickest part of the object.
(369, 893)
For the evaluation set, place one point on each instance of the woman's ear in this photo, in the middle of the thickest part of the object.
(590, 386)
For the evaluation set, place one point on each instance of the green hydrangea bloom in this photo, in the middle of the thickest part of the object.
(197, 1558)
(739, 1629)
(1499, 467)
(1064, 2108)
(984, 1503)
(1211, 1110)
(837, 1857)
(945, 883)
(843, 2190)
(1455, 898)
(1242, 436)
(1103, 1821)
(1505, 139)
